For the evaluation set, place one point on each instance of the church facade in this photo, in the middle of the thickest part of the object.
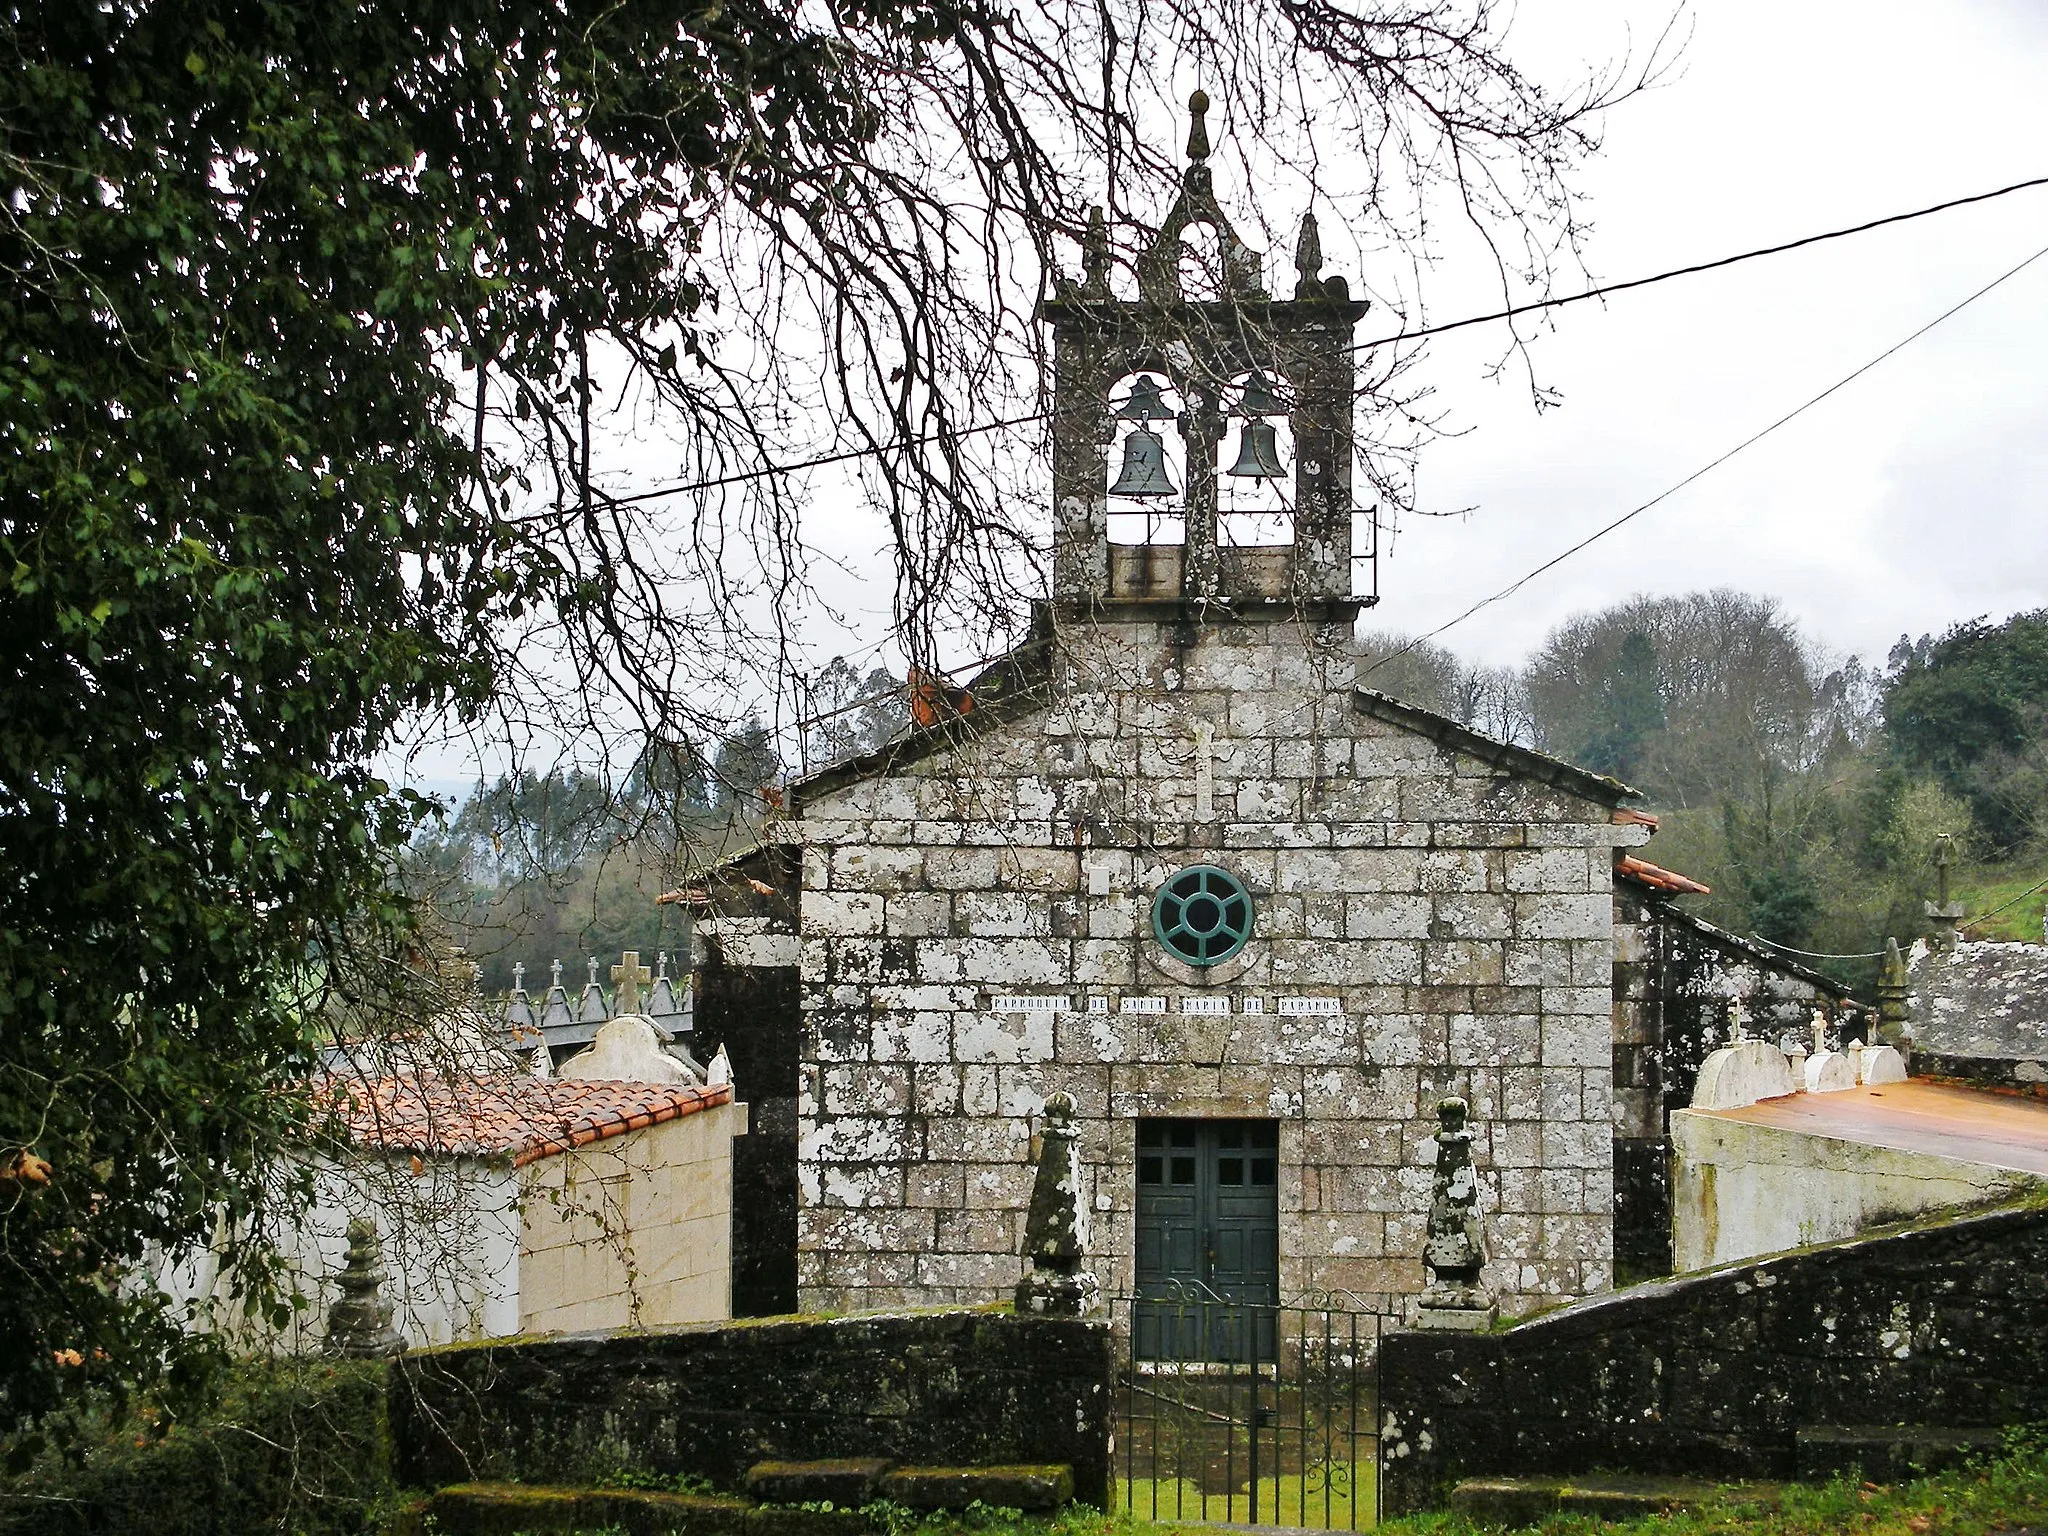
(1173, 858)
(1256, 920)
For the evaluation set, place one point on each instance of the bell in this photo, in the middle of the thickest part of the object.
(1144, 471)
(1258, 398)
(1258, 452)
(1144, 404)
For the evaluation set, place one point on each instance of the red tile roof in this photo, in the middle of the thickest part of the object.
(1643, 872)
(526, 1118)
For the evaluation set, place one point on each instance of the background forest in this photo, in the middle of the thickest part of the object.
(1808, 792)
(566, 861)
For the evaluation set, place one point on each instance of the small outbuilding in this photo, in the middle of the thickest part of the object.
(514, 1205)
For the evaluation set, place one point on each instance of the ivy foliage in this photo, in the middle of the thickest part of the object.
(296, 446)
(291, 1445)
(253, 252)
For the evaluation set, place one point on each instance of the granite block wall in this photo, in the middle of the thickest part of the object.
(975, 934)
(937, 1389)
(1713, 1375)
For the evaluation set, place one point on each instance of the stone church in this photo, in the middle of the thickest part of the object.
(1174, 857)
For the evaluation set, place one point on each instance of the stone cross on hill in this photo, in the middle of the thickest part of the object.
(629, 975)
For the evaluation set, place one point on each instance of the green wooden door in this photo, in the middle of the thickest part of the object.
(1208, 1237)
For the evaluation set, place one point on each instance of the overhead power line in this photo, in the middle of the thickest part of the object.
(1705, 469)
(1704, 266)
(2007, 906)
(976, 429)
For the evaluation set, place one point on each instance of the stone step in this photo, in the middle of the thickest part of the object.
(848, 1482)
(1519, 1501)
(1032, 1488)
(1888, 1453)
(517, 1509)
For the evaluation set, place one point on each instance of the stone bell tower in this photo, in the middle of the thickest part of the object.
(1229, 353)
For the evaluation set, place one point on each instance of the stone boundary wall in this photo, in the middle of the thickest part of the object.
(956, 1388)
(1712, 1375)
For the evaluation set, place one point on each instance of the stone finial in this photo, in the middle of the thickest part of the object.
(359, 1323)
(554, 1013)
(1308, 259)
(627, 977)
(1055, 1227)
(1454, 1249)
(662, 1005)
(1894, 990)
(519, 1020)
(594, 1008)
(1820, 1031)
(1095, 256)
(1198, 127)
(1945, 914)
(1737, 1030)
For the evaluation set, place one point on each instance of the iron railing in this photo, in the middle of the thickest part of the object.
(1246, 1411)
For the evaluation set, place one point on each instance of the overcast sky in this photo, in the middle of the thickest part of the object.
(1910, 500)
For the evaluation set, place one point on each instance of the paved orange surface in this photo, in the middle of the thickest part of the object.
(1996, 1129)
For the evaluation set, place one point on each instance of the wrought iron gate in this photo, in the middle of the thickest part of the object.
(1245, 1411)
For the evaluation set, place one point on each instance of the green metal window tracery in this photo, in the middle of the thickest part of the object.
(1202, 915)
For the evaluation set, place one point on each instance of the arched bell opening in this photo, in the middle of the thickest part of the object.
(1148, 487)
(1255, 464)
(1147, 462)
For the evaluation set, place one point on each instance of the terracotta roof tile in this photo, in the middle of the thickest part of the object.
(1643, 872)
(520, 1117)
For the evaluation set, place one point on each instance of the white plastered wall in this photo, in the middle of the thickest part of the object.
(1740, 1189)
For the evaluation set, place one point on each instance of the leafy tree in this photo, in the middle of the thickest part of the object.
(1627, 713)
(1735, 683)
(1969, 709)
(311, 318)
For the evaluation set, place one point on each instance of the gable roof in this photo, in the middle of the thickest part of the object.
(1524, 761)
(1020, 683)
(523, 1118)
(1656, 878)
(1750, 950)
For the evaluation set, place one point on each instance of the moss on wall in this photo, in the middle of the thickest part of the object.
(294, 1446)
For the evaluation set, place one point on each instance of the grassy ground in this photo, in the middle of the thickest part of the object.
(2008, 1495)
(1993, 889)
(1282, 1501)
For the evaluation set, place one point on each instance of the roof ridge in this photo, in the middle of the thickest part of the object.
(1445, 731)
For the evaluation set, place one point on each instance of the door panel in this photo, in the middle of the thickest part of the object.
(1208, 1233)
